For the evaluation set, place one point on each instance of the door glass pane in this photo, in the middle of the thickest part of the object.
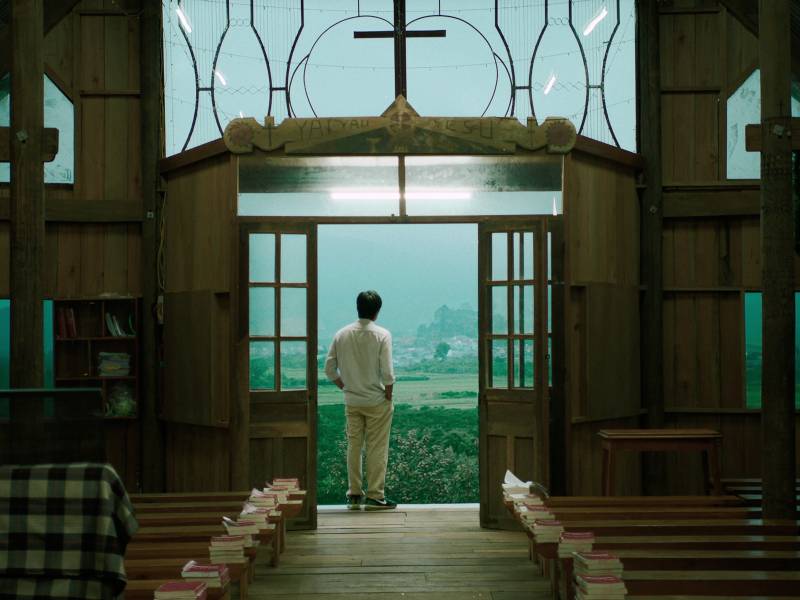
(499, 363)
(262, 311)
(262, 257)
(293, 366)
(530, 255)
(293, 312)
(499, 309)
(549, 309)
(293, 258)
(262, 365)
(523, 309)
(499, 257)
(523, 364)
(549, 256)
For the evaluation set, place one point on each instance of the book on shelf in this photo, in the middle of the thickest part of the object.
(214, 575)
(227, 541)
(181, 590)
(600, 587)
(547, 531)
(570, 542)
(72, 325)
(113, 364)
(61, 323)
(596, 563)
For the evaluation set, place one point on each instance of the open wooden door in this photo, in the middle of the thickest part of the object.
(513, 380)
(279, 314)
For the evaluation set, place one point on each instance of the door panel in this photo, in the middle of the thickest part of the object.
(513, 380)
(279, 318)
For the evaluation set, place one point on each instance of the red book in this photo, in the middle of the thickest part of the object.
(600, 579)
(72, 327)
(62, 323)
(227, 539)
(577, 535)
(181, 589)
(596, 555)
(547, 522)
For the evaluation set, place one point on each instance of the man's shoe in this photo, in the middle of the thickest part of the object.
(385, 504)
(353, 502)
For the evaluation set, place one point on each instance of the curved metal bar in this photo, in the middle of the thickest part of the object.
(603, 78)
(534, 53)
(291, 80)
(289, 60)
(214, 64)
(310, 50)
(510, 58)
(196, 88)
(263, 52)
(305, 84)
(513, 91)
(585, 68)
(485, 39)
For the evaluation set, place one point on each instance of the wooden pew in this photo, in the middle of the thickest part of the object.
(652, 512)
(144, 589)
(713, 583)
(662, 527)
(642, 501)
(170, 568)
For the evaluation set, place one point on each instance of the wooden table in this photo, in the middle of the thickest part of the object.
(663, 440)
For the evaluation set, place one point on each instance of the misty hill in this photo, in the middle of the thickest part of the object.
(449, 322)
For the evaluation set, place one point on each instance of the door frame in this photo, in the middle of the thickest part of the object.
(486, 224)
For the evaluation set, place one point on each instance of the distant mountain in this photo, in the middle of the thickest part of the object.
(449, 322)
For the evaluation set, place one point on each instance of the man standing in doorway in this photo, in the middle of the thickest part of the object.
(359, 362)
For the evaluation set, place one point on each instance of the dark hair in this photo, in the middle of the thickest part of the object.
(368, 304)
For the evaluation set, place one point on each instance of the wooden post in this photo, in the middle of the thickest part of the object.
(152, 434)
(778, 465)
(649, 85)
(27, 195)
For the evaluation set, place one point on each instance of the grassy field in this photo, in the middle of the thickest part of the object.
(453, 390)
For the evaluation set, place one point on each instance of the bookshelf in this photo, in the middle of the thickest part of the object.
(97, 345)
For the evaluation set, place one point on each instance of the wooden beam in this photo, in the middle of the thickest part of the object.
(49, 144)
(778, 461)
(55, 11)
(66, 210)
(609, 152)
(745, 11)
(648, 66)
(26, 208)
(711, 201)
(752, 136)
(152, 430)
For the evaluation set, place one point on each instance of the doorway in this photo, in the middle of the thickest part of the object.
(426, 276)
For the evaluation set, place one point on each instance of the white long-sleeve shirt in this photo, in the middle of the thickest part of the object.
(361, 354)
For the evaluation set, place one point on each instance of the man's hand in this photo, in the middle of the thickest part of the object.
(339, 383)
(388, 392)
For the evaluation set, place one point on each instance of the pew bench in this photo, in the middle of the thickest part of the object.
(714, 583)
(170, 568)
(642, 501)
(144, 589)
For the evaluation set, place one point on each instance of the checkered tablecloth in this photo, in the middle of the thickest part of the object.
(63, 531)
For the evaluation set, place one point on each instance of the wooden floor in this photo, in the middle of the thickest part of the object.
(412, 554)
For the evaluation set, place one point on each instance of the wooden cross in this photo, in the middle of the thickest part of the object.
(399, 34)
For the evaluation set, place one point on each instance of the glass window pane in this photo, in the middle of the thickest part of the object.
(549, 309)
(262, 365)
(499, 257)
(523, 309)
(262, 311)
(321, 204)
(58, 113)
(293, 258)
(293, 366)
(523, 363)
(499, 352)
(549, 256)
(262, 257)
(499, 309)
(523, 255)
(752, 349)
(293, 312)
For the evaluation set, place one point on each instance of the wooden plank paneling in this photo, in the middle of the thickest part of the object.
(197, 459)
(585, 464)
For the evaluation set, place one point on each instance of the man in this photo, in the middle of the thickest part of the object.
(360, 363)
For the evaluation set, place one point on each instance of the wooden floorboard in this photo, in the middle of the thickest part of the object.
(414, 554)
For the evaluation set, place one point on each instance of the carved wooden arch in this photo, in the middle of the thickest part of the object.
(398, 131)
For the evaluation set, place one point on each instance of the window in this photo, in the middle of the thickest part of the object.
(286, 58)
(5, 348)
(753, 349)
(744, 108)
(58, 113)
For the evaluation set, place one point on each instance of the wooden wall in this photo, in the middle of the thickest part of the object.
(93, 244)
(711, 253)
(602, 315)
